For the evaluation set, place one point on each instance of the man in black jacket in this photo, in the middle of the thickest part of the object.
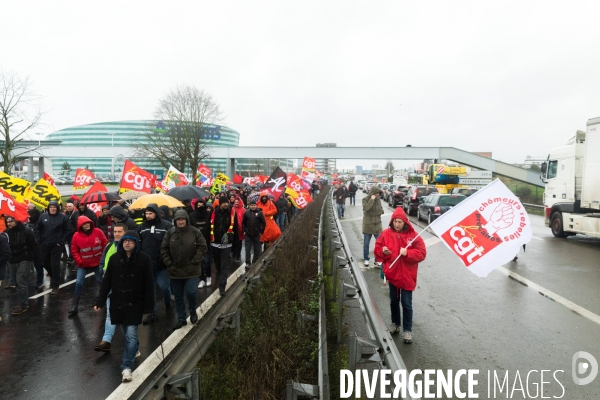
(119, 215)
(24, 250)
(82, 210)
(352, 189)
(223, 229)
(152, 231)
(129, 276)
(340, 198)
(282, 205)
(52, 231)
(200, 219)
(253, 225)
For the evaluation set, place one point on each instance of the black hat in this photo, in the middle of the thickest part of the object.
(223, 199)
(253, 201)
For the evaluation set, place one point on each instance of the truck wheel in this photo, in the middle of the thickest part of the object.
(556, 225)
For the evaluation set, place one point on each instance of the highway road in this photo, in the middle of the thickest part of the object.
(498, 325)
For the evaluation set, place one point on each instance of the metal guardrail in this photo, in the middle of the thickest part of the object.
(380, 338)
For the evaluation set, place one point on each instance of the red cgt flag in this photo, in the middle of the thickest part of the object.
(9, 206)
(136, 178)
(83, 178)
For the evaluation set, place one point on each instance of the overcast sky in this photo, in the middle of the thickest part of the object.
(512, 77)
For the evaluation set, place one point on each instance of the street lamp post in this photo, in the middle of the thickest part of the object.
(39, 135)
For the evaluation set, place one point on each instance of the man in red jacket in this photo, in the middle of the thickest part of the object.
(401, 251)
(87, 246)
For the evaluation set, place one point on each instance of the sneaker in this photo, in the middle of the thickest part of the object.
(138, 354)
(393, 329)
(151, 318)
(10, 286)
(407, 337)
(103, 346)
(201, 284)
(169, 308)
(54, 292)
(179, 324)
(208, 282)
(19, 309)
(377, 264)
(126, 375)
(366, 263)
(40, 286)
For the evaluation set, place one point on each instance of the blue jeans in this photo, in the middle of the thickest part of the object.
(353, 199)
(366, 243)
(187, 286)
(131, 346)
(340, 209)
(81, 273)
(164, 283)
(280, 220)
(109, 328)
(407, 311)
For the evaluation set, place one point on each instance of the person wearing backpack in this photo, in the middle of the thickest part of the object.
(182, 251)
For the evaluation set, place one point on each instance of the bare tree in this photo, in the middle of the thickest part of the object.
(186, 126)
(20, 112)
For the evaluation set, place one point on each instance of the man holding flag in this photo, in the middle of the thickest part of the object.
(401, 249)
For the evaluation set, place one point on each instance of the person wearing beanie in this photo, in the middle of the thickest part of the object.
(52, 231)
(223, 230)
(253, 225)
(152, 231)
(87, 246)
(182, 251)
(128, 278)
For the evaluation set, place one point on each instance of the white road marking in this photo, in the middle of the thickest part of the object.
(61, 286)
(540, 289)
(551, 295)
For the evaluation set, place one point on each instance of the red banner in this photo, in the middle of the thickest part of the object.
(83, 178)
(9, 206)
(203, 175)
(136, 178)
(49, 179)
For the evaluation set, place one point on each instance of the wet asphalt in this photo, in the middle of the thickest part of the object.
(496, 324)
(44, 354)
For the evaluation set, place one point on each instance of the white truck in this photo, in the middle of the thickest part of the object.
(572, 177)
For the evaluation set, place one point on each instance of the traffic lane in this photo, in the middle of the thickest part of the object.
(45, 354)
(568, 267)
(493, 323)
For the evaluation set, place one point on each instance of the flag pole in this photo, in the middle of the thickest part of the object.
(409, 243)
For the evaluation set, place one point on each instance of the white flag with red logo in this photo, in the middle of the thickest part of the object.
(486, 230)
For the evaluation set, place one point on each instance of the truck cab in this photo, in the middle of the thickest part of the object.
(572, 177)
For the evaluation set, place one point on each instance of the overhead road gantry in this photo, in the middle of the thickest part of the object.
(386, 153)
(382, 153)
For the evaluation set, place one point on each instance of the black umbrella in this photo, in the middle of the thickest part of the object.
(99, 197)
(188, 192)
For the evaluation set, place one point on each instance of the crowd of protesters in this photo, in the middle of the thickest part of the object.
(132, 252)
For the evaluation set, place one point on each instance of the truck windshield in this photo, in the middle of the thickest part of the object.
(552, 168)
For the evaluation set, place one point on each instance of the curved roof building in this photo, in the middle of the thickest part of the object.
(121, 137)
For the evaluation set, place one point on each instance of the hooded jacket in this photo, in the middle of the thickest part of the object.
(254, 222)
(183, 249)
(23, 246)
(123, 216)
(53, 229)
(167, 211)
(271, 231)
(239, 212)
(86, 212)
(372, 212)
(200, 219)
(152, 233)
(87, 247)
(132, 284)
(403, 272)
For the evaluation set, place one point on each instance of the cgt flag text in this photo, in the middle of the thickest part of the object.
(486, 230)
(136, 178)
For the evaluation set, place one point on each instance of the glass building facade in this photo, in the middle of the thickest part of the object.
(127, 135)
